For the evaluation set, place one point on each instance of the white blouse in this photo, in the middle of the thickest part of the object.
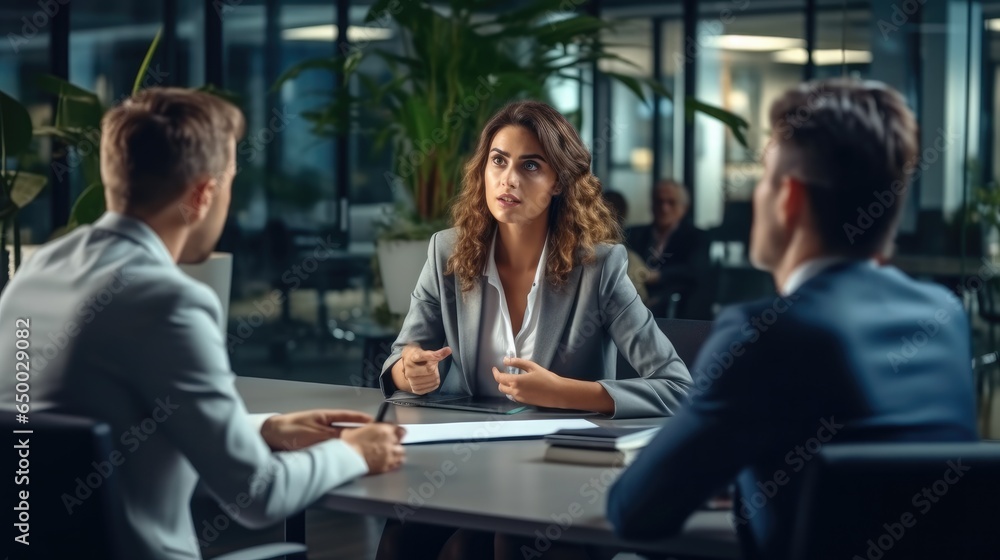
(496, 334)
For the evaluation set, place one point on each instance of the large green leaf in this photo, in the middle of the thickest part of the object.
(25, 187)
(632, 83)
(78, 108)
(146, 61)
(15, 126)
(65, 135)
(58, 86)
(736, 123)
(89, 206)
(567, 30)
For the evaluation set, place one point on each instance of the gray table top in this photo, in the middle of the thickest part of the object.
(487, 485)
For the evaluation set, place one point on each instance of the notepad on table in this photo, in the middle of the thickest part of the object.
(620, 439)
(596, 457)
(613, 447)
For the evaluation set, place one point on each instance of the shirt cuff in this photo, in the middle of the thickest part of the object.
(351, 462)
(257, 420)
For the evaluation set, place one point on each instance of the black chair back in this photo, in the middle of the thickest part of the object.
(900, 501)
(687, 336)
(71, 480)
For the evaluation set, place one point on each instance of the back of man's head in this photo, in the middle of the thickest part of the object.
(160, 141)
(854, 145)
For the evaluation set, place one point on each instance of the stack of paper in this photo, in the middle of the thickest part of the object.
(499, 429)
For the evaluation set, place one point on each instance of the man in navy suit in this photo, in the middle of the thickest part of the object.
(848, 351)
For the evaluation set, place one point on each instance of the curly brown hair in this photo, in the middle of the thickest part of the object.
(579, 218)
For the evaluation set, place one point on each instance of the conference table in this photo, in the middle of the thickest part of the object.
(502, 486)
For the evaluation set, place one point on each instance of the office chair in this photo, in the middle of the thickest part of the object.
(687, 336)
(309, 259)
(988, 298)
(65, 453)
(869, 501)
(986, 372)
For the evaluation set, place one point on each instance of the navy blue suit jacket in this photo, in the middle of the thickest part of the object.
(857, 353)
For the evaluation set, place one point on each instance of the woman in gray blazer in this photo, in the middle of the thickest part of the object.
(532, 280)
(528, 296)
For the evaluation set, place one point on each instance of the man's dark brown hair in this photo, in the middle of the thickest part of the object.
(160, 141)
(854, 144)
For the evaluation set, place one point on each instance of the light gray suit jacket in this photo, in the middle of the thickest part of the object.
(120, 334)
(580, 326)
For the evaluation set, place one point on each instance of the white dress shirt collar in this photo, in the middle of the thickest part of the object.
(491, 273)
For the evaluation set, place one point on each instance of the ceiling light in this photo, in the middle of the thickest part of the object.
(823, 57)
(355, 33)
(756, 43)
(641, 159)
(993, 24)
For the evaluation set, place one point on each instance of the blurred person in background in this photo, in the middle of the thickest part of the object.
(672, 249)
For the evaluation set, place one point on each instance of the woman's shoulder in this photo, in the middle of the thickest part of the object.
(605, 256)
(442, 244)
(608, 253)
(444, 241)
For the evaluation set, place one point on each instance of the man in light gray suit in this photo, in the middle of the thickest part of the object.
(118, 333)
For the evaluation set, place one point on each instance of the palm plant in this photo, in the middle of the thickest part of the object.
(78, 126)
(17, 187)
(457, 69)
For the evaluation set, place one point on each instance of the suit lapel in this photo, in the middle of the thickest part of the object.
(469, 325)
(554, 315)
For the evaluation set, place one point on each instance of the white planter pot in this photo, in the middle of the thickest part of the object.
(400, 263)
(26, 251)
(216, 272)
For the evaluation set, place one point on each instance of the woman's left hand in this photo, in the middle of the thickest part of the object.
(536, 385)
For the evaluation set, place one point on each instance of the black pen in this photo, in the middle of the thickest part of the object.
(379, 417)
(382, 410)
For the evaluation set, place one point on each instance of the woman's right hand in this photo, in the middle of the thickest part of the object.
(420, 368)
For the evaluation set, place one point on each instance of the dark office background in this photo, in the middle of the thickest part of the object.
(738, 54)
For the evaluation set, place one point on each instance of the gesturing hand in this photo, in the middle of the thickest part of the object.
(535, 386)
(295, 430)
(420, 368)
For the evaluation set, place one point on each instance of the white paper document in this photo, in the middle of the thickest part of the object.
(497, 429)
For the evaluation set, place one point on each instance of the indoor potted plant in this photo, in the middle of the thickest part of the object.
(982, 217)
(17, 186)
(78, 126)
(457, 69)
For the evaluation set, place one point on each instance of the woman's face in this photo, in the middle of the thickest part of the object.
(520, 182)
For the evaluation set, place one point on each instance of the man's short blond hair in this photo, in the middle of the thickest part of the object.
(160, 141)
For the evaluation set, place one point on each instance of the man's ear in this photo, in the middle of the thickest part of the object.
(198, 201)
(792, 200)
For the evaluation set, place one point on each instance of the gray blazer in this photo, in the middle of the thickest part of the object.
(120, 334)
(580, 326)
